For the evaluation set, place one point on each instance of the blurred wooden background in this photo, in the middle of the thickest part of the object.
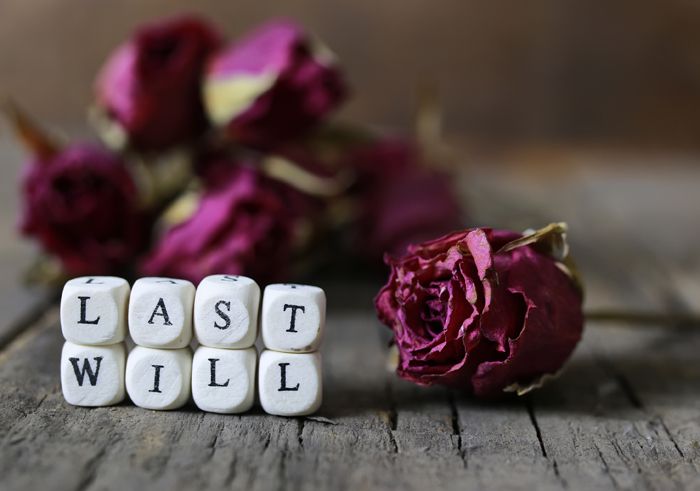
(621, 72)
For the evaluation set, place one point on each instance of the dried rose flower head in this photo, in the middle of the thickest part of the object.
(483, 310)
(272, 85)
(148, 91)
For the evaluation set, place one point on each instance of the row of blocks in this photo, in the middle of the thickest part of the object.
(162, 373)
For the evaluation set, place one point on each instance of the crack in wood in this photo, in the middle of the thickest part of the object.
(392, 422)
(456, 427)
(538, 432)
(300, 432)
(606, 467)
(90, 469)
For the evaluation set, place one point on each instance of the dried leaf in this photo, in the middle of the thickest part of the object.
(32, 136)
(550, 240)
(521, 390)
(321, 419)
(110, 132)
(288, 172)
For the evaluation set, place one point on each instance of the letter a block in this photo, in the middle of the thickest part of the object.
(92, 375)
(159, 378)
(160, 312)
(226, 311)
(290, 384)
(293, 317)
(93, 310)
(223, 380)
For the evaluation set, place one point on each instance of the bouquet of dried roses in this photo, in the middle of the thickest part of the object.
(221, 158)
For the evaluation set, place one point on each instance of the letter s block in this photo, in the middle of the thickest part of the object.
(293, 317)
(160, 312)
(226, 311)
(93, 310)
(92, 375)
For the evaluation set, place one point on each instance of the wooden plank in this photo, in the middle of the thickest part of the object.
(624, 414)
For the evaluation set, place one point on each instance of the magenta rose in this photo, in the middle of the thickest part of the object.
(483, 310)
(149, 87)
(82, 206)
(401, 202)
(274, 84)
(245, 224)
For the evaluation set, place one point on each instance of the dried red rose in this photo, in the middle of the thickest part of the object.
(483, 310)
(401, 202)
(81, 205)
(246, 223)
(272, 85)
(149, 88)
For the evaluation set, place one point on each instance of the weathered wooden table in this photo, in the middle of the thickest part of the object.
(625, 413)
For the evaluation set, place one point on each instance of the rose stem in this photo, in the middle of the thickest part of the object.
(677, 320)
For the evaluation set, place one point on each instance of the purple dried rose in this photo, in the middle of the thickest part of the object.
(149, 88)
(82, 206)
(401, 202)
(274, 84)
(483, 310)
(246, 223)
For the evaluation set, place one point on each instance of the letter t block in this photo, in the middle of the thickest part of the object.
(293, 317)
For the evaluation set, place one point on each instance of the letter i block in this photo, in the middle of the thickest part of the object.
(293, 317)
(226, 311)
(159, 378)
(160, 312)
(92, 375)
(223, 380)
(290, 384)
(93, 310)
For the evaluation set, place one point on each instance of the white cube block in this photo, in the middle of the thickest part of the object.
(293, 317)
(160, 312)
(159, 378)
(223, 380)
(93, 375)
(226, 311)
(93, 310)
(289, 384)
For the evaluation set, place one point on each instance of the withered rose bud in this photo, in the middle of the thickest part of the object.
(82, 206)
(274, 84)
(483, 310)
(400, 200)
(244, 223)
(148, 91)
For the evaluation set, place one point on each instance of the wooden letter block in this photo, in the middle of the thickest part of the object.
(293, 317)
(160, 312)
(290, 384)
(159, 378)
(93, 310)
(92, 375)
(223, 380)
(226, 311)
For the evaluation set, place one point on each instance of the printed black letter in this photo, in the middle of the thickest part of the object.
(156, 379)
(212, 371)
(283, 381)
(83, 312)
(294, 315)
(225, 317)
(163, 313)
(80, 374)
